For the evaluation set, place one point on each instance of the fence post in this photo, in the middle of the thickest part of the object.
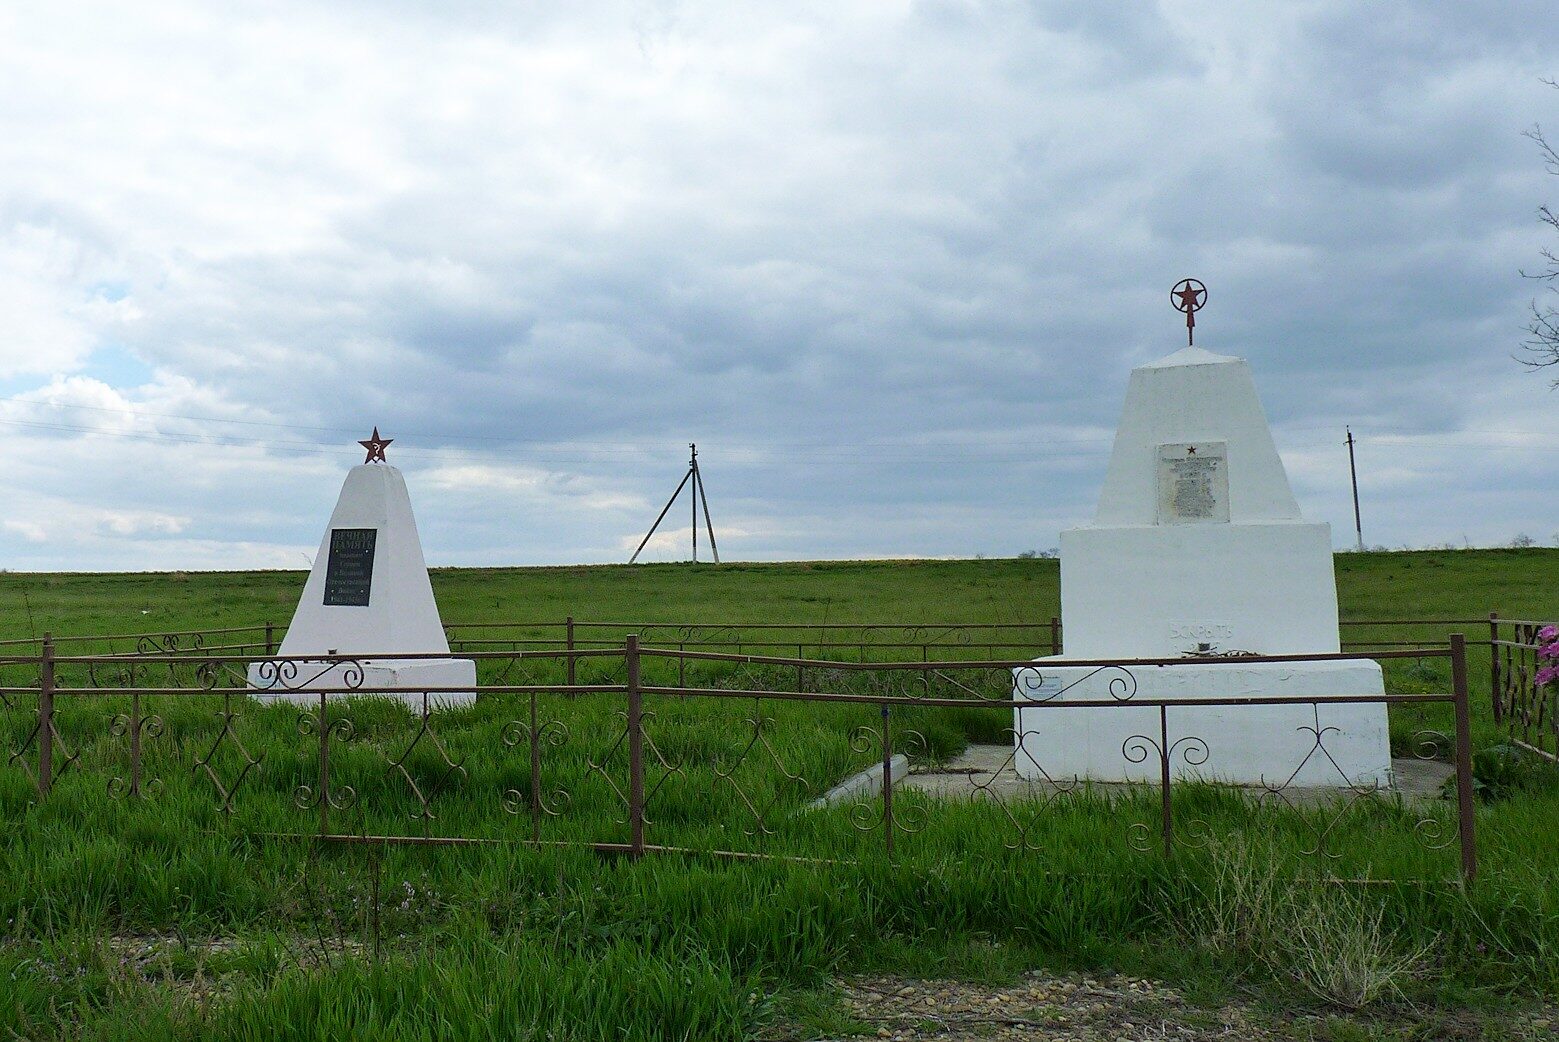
(569, 624)
(1464, 801)
(1055, 635)
(270, 639)
(1166, 796)
(887, 782)
(135, 743)
(635, 747)
(46, 717)
(1494, 666)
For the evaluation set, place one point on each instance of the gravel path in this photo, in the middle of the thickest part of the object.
(1111, 1008)
(1076, 1009)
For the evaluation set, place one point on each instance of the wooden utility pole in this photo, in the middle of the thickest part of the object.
(1353, 472)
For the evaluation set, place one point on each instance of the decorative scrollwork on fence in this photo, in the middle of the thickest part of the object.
(538, 802)
(929, 637)
(1433, 833)
(1140, 747)
(341, 728)
(1035, 684)
(1431, 745)
(668, 768)
(879, 808)
(273, 675)
(322, 795)
(989, 791)
(1324, 821)
(602, 766)
(137, 728)
(170, 643)
(61, 756)
(227, 736)
(210, 674)
(759, 739)
(515, 671)
(1192, 750)
(446, 769)
(122, 673)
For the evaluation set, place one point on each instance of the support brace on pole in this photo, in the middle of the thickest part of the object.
(698, 497)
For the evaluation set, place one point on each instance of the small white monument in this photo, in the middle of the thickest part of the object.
(368, 594)
(1198, 550)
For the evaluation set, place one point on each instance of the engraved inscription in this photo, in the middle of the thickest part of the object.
(350, 571)
(1200, 631)
(1193, 483)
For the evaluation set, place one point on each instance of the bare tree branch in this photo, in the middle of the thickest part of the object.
(1541, 348)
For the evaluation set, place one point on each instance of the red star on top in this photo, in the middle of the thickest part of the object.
(375, 446)
(1188, 296)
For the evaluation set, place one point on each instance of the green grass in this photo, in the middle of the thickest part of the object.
(278, 938)
(1423, 584)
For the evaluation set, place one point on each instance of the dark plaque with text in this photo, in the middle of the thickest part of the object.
(350, 572)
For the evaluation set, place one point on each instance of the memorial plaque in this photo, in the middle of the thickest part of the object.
(1193, 482)
(350, 572)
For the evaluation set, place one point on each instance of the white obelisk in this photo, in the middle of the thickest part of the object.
(368, 595)
(1198, 550)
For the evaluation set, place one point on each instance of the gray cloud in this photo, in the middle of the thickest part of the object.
(888, 267)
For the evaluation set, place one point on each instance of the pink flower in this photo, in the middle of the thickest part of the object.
(1548, 651)
(1549, 632)
(1546, 675)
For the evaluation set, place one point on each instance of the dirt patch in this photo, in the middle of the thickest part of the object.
(1082, 1009)
(1112, 1008)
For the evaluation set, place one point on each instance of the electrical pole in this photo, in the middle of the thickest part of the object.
(697, 496)
(1353, 472)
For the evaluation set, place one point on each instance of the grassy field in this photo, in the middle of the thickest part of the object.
(1427, 584)
(160, 919)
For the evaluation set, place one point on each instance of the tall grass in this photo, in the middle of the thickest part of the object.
(284, 938)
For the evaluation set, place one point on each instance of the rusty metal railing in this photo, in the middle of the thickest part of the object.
(636, 749)
(1527, 711)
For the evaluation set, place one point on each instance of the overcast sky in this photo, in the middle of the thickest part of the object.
(889, 264)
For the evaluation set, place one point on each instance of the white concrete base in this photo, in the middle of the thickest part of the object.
(1245, 745)
(1158, 591)
(405, 679)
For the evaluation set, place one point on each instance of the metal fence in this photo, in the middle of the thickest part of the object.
(1525, 710)
(841, 641)
(633, 749)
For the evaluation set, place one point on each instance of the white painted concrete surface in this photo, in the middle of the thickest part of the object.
(401, 617)
(1245, 745)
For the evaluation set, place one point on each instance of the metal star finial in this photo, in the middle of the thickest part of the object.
(375, 446)
(1188, 296)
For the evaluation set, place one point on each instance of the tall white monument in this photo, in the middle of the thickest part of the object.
(368, 594)
(1198, 550)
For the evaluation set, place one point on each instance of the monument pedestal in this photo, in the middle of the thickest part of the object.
(368, 594)
(405, 679)
(1301, 745)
